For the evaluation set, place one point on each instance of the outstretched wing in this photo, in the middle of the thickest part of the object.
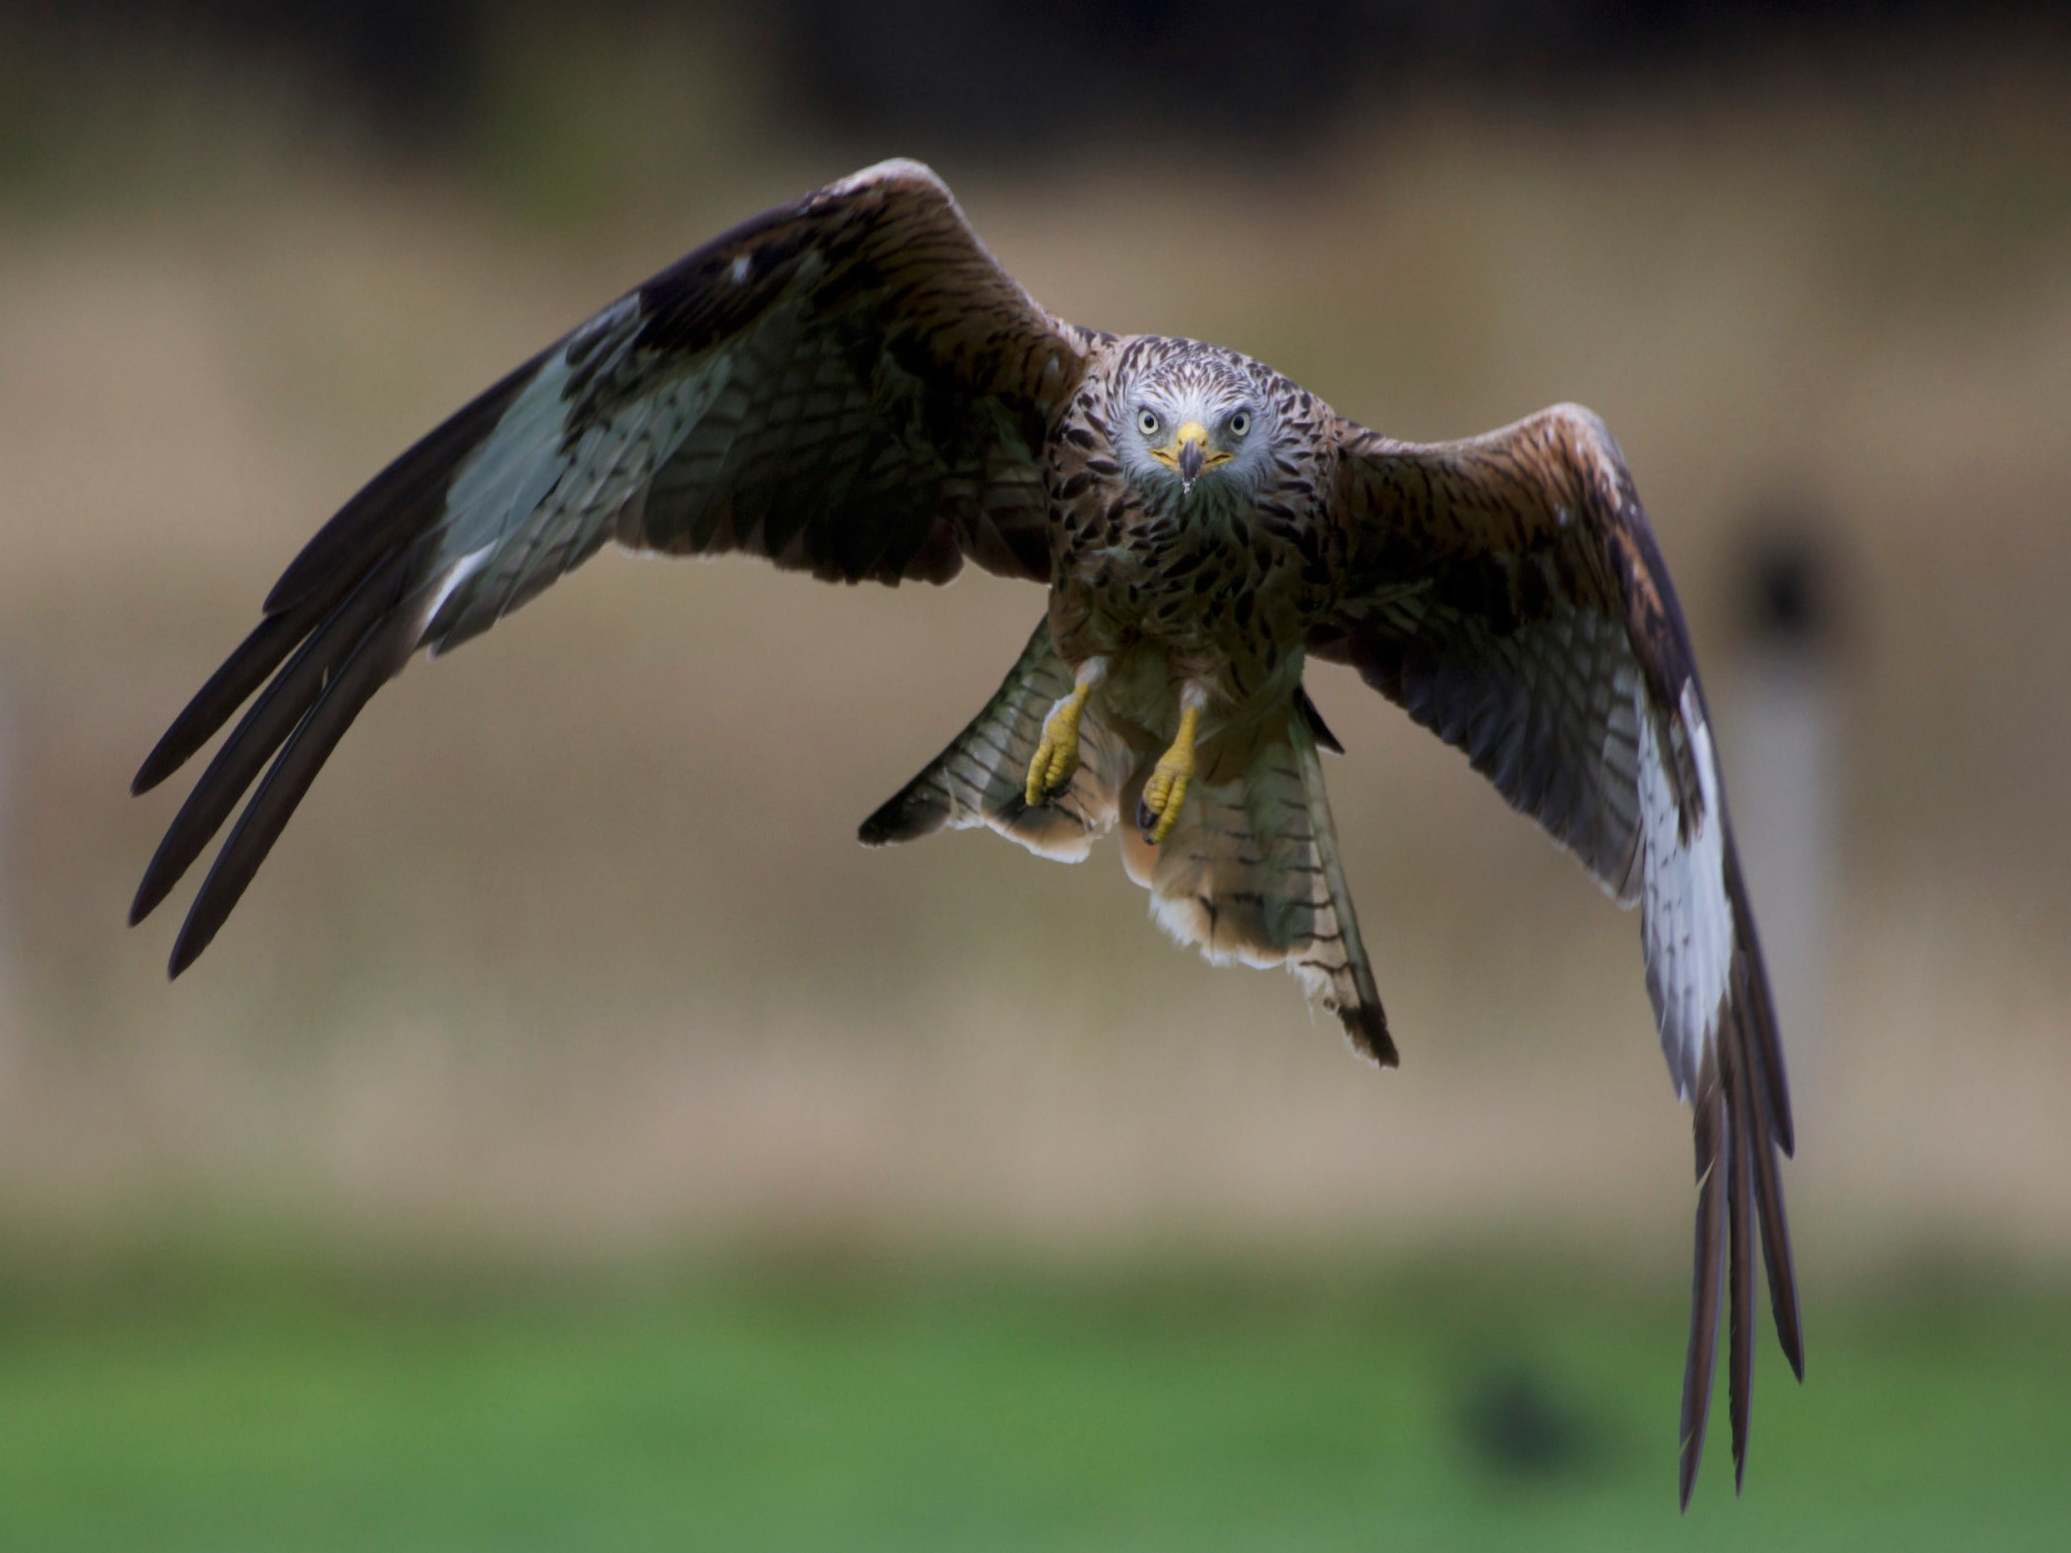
(849, 386)
(1506, 591)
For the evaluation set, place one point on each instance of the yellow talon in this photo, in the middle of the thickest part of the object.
(1166, 788)
(1057, 755)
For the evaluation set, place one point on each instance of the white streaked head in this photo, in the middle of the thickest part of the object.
(1194, 421)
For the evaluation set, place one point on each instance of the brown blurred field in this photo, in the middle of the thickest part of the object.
(573, 948)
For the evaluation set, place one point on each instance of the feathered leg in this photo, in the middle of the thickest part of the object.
(1057, 755)
(1165, 789)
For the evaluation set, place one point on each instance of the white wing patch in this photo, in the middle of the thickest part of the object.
(520, 461)
(529, 504)
(456, 574)
(1686, 919)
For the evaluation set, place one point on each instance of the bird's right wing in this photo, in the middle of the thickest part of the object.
(1506, 592)
(849, 386)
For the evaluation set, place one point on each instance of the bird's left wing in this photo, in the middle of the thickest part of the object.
(849, 385)
(1507, 592)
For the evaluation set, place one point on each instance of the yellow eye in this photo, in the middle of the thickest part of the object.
(1147, 422)
(1240, 423)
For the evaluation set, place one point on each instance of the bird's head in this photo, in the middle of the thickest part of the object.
(1194, 419)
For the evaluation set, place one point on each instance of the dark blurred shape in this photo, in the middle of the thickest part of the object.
(416, 66)
(1262, 77)
(1234, 80)
(1517, 1426)
(1789, 586)
(1787, 705)
(409, 71)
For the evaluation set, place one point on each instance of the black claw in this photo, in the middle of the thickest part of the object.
(1146, 821)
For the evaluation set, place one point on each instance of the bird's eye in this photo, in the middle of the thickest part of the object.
(1240, 423)
(1147, 422)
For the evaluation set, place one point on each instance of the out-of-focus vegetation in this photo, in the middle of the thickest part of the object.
(838, 1403)
(570, 961)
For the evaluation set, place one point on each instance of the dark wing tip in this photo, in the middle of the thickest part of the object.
(1367, 1024)
(247, 667)
(1792, 1337)
(1760, 1031)
(1686, 1466)
(377, 657)
(1707, 1269)
(1743, 1135)
(370, 528)
(157, 766)
(150, 892)
(1767, 1126)
(1740, 1198)
(187, 947)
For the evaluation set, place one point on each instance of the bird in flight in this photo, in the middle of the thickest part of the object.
(852, 386)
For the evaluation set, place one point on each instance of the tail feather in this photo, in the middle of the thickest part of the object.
(1251, 874)
(981, 778)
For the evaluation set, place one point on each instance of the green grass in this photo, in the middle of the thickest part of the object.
(1469, 1405)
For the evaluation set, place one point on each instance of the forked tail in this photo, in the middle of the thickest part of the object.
(1250, 873)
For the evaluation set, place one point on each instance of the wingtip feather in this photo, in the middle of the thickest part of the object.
(154, 770)
(187, 947)
(144, 902)
(1741, 1141)
(1707, 1270)
(243, 671)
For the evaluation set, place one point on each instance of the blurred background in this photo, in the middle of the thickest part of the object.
(576, 1140)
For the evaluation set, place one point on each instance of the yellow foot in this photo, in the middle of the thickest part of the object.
(1057, 755)
(1157, 811)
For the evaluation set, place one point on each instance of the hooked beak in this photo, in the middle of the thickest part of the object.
(1193, 453)
(1188, 453)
